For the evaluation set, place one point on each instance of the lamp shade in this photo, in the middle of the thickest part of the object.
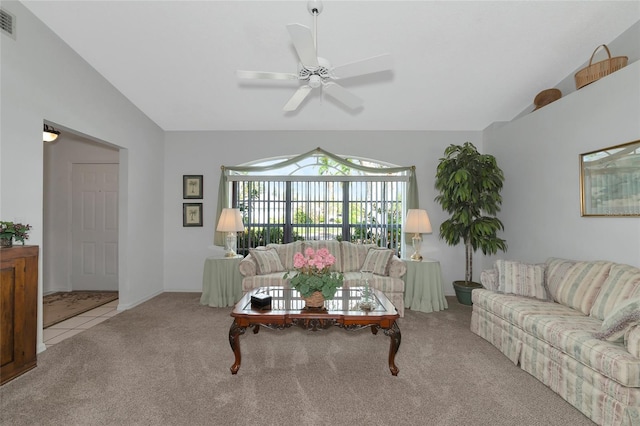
(417, 222)
(230, 221)
(49, 134)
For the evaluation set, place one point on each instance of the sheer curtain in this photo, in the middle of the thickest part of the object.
(412, 201)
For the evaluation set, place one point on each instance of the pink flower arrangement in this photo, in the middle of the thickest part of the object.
(312, 273)
(313, 261)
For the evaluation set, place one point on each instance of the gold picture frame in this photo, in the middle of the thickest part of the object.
(192, 186)
(610, 181)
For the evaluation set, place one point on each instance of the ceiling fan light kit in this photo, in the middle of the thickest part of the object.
(316, 72)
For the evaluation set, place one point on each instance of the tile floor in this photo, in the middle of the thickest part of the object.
(67, 328)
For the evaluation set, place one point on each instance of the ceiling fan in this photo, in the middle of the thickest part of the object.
(316, 72)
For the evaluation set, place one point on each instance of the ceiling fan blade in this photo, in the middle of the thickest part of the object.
(297, 98)
(266, 75)
(303, 42)
(366, 66)
(341, 94)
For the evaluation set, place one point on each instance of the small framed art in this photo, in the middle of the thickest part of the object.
(192, 214)
(192, 186)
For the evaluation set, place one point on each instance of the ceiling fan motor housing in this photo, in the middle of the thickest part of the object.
(306, 73)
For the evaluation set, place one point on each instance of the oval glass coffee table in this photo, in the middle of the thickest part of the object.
(287, 309)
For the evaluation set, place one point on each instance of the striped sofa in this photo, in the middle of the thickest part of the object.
(574, 325)
(266, 266)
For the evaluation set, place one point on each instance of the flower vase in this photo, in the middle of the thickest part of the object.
(315, 301)
(6, 242)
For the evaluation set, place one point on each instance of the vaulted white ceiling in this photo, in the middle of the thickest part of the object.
(457, 65)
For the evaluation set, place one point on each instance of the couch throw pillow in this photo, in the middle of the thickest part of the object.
(377, 261)
(267, 259)
(522, 279)
(620, 320)
(581, 284)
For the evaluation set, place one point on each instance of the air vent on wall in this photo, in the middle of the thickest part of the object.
(8, 23)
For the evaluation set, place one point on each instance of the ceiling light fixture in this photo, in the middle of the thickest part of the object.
(49, 134)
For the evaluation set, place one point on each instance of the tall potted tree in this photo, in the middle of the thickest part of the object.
(469, 185)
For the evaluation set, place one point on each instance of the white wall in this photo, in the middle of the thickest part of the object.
(204, 153)
(539, 154)
(43, 79)
(59, 158)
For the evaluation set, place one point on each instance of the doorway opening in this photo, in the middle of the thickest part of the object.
(81, 219)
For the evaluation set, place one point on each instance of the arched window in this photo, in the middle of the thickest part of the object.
(319, 196)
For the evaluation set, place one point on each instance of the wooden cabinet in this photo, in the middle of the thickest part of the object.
(18, 310)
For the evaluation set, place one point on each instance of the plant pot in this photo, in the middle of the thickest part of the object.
(6, 242)
(463, 291)
(315, 301)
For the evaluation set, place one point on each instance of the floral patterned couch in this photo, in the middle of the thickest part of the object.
(573, 325)
(266, 266)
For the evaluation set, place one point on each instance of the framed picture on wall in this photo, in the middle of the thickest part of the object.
(192, 186)
(610, 181)
(192, 214)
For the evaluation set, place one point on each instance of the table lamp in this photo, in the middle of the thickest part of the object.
(417, 222)
(230, 222)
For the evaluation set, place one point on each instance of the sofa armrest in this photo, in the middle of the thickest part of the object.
(248, 266)
(397, 268)
(489, 279)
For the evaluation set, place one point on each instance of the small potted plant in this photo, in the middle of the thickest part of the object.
(312, 277)
(469, 185)
(10, 231)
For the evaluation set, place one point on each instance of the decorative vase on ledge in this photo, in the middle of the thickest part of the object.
(6, 242)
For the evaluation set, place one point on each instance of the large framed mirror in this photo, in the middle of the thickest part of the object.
(610, 181)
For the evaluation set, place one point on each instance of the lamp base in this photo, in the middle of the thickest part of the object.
(231, 245)
(417, 244)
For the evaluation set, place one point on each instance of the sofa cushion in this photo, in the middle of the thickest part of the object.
(620, 320)
(377, 261)
(267, 260)
(489, 279)
(334, 248)
(581, 284)
(269, 280)
(382, 283)
(397, 267)
(287, 251)
(521, 278)
(353, 255)
(632, 341)
(622, 283)
(248, 266)
(556, 270)
(514, 308)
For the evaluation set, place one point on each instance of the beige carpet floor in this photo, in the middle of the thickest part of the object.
(166, 362)
(60, 306)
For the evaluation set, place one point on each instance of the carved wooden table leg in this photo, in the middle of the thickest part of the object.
(374, 329)
(234, 340)
(394, 334)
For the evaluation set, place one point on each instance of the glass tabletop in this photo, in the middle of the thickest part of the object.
(345, 300)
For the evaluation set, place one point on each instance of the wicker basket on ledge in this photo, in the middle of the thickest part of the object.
(600, 69)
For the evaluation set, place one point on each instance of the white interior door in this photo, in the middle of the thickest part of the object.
(94, 227)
